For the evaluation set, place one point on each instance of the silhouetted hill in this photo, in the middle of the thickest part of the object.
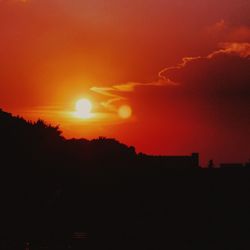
(43, 144)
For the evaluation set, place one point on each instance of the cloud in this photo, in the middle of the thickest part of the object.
(219, 81)
(235, 55)
(114, 93)
(224, 31)
(217, 28)
(112, 97)
(237, 49)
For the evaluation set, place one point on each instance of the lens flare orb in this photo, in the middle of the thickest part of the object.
(125, 112)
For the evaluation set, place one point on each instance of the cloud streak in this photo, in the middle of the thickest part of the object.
(115, 93)
(238, 49)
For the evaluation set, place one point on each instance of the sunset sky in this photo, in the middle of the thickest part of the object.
(167, 76)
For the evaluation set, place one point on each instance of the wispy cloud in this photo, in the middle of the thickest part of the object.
(115, 93)
(224, 31)
(239, 49)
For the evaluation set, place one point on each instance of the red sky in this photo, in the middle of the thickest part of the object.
(182, 66)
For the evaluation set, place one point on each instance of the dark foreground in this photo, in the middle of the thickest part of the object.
(61, 194)
(160, 209)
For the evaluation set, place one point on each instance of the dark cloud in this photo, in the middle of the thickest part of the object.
(220, 80)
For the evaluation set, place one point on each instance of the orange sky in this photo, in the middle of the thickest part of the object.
(182, 66)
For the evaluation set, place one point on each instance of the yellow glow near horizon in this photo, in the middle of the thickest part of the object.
(83, 108)
(125, 112)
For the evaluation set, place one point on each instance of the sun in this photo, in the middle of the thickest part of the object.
(83, 108)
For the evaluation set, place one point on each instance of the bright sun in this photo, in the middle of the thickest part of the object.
(83, 108)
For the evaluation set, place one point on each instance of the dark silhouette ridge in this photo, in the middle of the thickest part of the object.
(42, 142)
(92, 194)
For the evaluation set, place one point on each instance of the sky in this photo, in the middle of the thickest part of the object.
(181, 67)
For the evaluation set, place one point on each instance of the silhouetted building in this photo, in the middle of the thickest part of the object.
(231, 165)
(189, 161)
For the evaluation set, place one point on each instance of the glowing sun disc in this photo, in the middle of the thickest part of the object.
(83, 108)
